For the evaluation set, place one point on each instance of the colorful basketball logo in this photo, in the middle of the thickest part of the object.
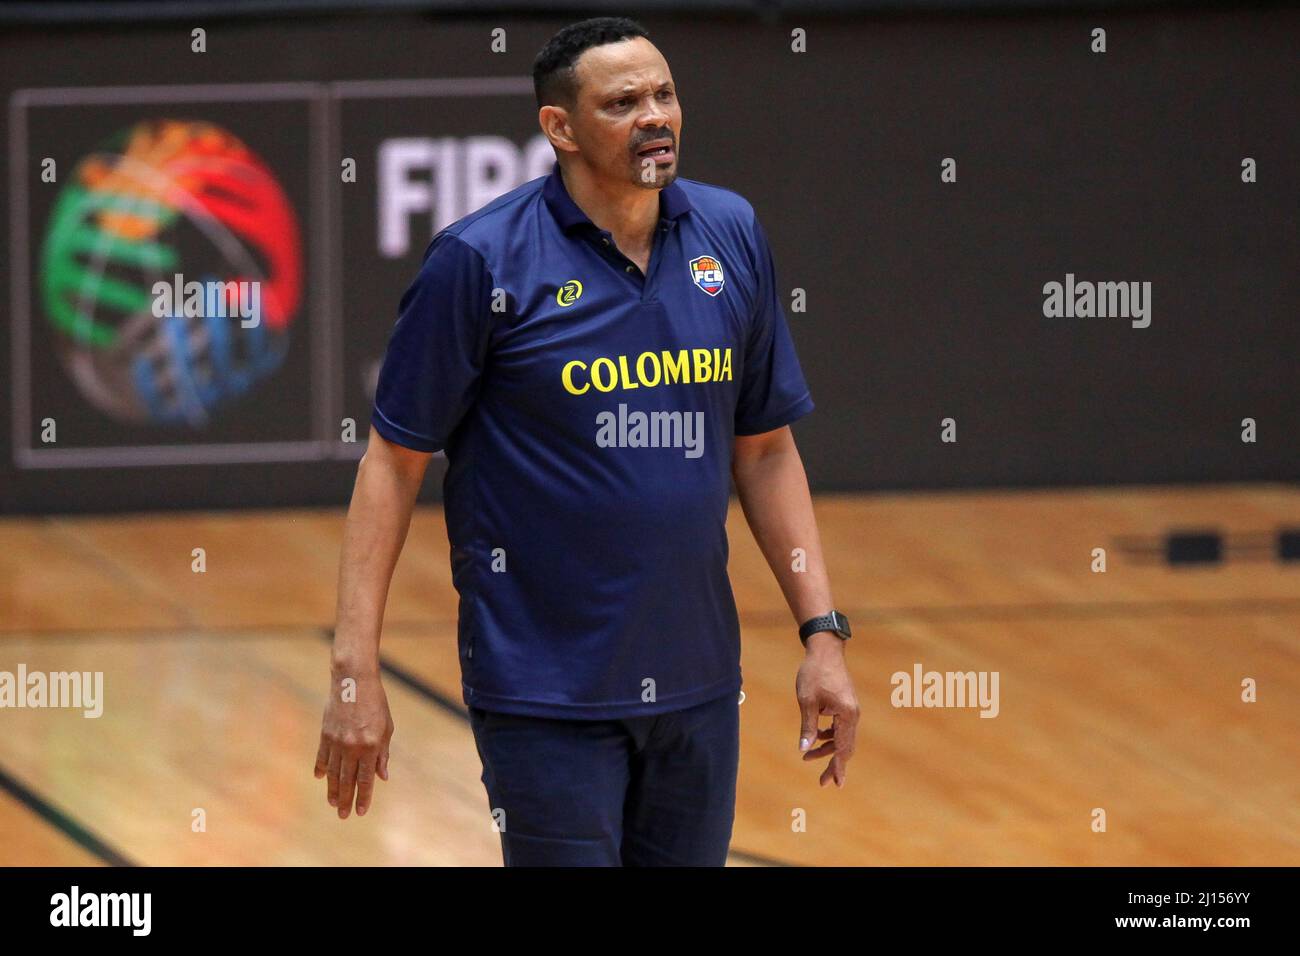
(568, 293)
(707, 273)
(160, 199)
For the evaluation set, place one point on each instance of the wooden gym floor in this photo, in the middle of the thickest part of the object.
(1119, 691)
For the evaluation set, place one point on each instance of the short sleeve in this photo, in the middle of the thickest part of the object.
(772, 388)
(438, 348)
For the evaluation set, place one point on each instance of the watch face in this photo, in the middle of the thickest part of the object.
(841, 623)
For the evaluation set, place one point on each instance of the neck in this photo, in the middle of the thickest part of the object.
(623, 209)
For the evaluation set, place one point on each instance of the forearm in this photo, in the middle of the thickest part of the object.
(378, 519)
(773, 492)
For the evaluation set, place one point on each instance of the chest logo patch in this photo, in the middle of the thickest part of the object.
(707, 273)
(568, 293)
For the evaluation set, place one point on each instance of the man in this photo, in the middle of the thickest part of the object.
(600, 352)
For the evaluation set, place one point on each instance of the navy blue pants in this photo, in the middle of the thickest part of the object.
(636, 791)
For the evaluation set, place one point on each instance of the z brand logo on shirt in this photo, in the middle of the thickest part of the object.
(568, 293)
(707, 273)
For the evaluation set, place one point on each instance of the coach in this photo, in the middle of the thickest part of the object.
(599, 352)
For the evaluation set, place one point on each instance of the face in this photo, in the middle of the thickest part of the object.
(627, 121)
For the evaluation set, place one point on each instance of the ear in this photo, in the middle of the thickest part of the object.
(554, 122)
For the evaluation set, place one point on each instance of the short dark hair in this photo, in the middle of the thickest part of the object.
(554, 82)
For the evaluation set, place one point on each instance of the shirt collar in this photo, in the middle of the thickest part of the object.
(672, 201)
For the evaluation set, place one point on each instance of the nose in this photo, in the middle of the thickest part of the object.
(656, 117)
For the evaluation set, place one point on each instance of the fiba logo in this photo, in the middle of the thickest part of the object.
(162, 198)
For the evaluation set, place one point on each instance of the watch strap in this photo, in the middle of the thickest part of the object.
(834, 622)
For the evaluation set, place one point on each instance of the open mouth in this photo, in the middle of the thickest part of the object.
(661, 152)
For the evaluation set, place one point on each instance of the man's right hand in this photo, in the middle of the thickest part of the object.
(354, 737)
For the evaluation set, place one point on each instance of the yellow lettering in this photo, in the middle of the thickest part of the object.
(686, 366)
(623, 375)
(703, 367)
(678, 371)
(640, 369)
(567, 376)
(595, 379)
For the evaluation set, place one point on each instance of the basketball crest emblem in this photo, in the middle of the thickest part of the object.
(706, 271)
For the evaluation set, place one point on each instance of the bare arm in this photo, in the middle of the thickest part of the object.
(357, 725)
(773, 491)
(379, 516)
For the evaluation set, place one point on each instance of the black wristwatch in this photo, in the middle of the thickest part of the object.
(835, 622)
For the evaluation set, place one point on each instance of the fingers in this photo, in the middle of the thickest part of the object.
(846, 727)
(822, 751)
(826, 733)
(846, 731)
(347, 783)
(322, 757)
(366, 782)
(332, 780)
(351, 765)
(839, 772)
(808, 729)
(384, 747)
(841, 738)
(351, 772)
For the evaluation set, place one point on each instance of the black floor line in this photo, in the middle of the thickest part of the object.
(436, 697)
(431, 694)
(61, 821)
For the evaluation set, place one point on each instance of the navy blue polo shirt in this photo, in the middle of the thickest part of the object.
(587, 412)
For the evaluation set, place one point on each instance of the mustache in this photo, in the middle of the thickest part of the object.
(666, 134)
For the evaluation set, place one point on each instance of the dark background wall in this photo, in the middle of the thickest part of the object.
(924, 298)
